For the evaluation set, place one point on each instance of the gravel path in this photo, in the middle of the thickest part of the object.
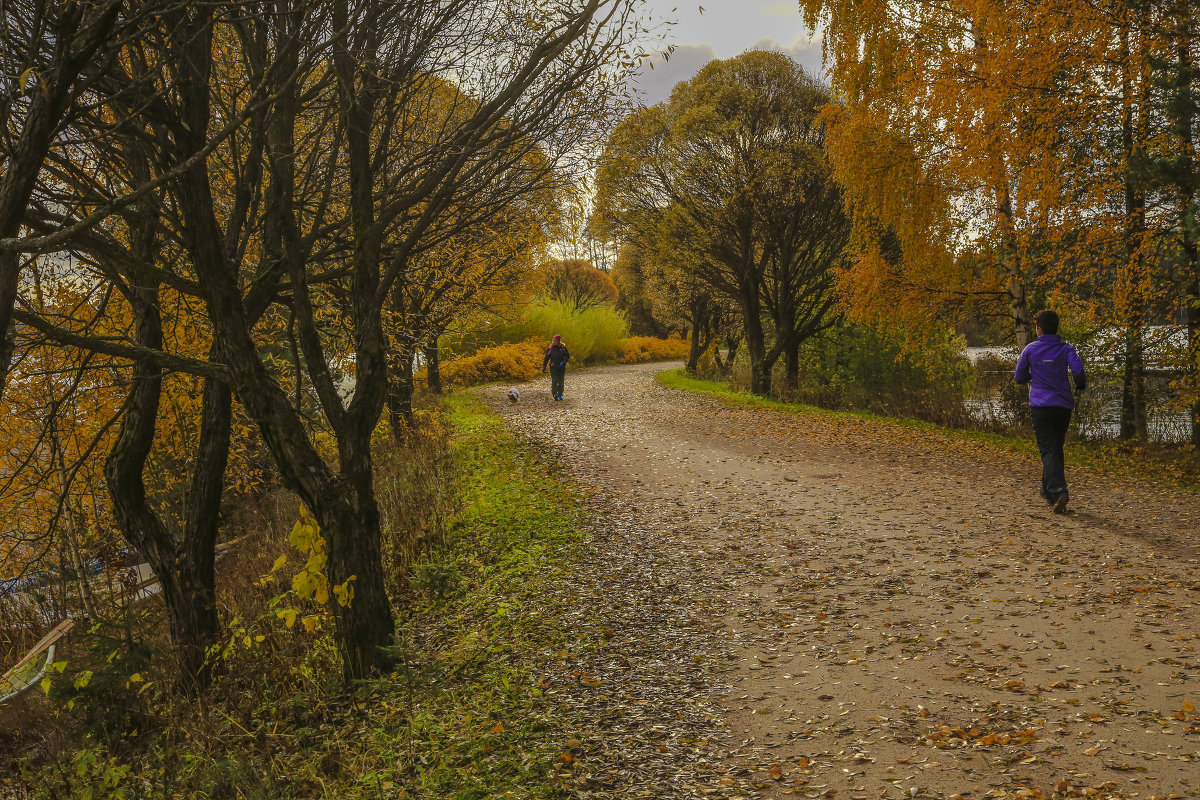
(814, 605)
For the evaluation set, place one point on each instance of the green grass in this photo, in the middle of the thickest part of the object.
(1173, 468)
(488, 619)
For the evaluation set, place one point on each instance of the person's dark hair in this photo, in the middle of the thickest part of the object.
(1046, 320)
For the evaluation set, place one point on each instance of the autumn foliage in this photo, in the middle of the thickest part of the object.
(640, 349)
(505, 362)
(1000, 157)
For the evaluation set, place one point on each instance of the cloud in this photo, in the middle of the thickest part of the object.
(771, 10)
(804, 51)
(655, 85)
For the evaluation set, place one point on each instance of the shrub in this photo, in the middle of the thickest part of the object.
(639, 349)
(593, 334)
(515, 362)
(864, 368)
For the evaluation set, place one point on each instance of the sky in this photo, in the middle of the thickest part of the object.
(724, 29)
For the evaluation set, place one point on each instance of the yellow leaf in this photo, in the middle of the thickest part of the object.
(1188, 706)
(301, 536)
(45, 684)
(279, 562)
(304, 584)
(316, 562)
(344, 592)
(288, 615)
(311, 622)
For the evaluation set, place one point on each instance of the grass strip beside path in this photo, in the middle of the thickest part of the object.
(487, 622)
(1167, 467)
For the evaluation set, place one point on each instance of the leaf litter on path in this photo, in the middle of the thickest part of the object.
(821, 606)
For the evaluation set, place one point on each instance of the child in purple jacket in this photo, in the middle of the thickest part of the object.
(1044, 365)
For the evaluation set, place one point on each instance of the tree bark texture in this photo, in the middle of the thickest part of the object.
(184, 571)
(433, 371)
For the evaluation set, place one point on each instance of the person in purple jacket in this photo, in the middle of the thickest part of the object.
(1044, 365)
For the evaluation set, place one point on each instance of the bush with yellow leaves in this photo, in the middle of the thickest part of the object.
(639, 349)
(505, 362)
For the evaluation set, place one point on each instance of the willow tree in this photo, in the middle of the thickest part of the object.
(737, 151)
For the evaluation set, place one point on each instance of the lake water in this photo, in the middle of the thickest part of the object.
(1099, 413)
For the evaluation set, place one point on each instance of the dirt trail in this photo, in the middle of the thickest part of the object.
(819, 606)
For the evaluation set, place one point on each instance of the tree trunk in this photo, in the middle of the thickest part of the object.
(187, 590)
(693, 348)
(1010, 264)
(400, 394)
(731, 350)
(433, 368)
(1129, 289)
(184, 569)
(791, 359)
(756, 346)
(1133, 384)
(350, 524)
(192, 618)
(1186, 110)
(202, 520)
(1193, 333)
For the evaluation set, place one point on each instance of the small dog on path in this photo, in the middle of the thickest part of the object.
(513, 396)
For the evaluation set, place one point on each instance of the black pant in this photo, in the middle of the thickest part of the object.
(557, 376)
(1050, 428)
